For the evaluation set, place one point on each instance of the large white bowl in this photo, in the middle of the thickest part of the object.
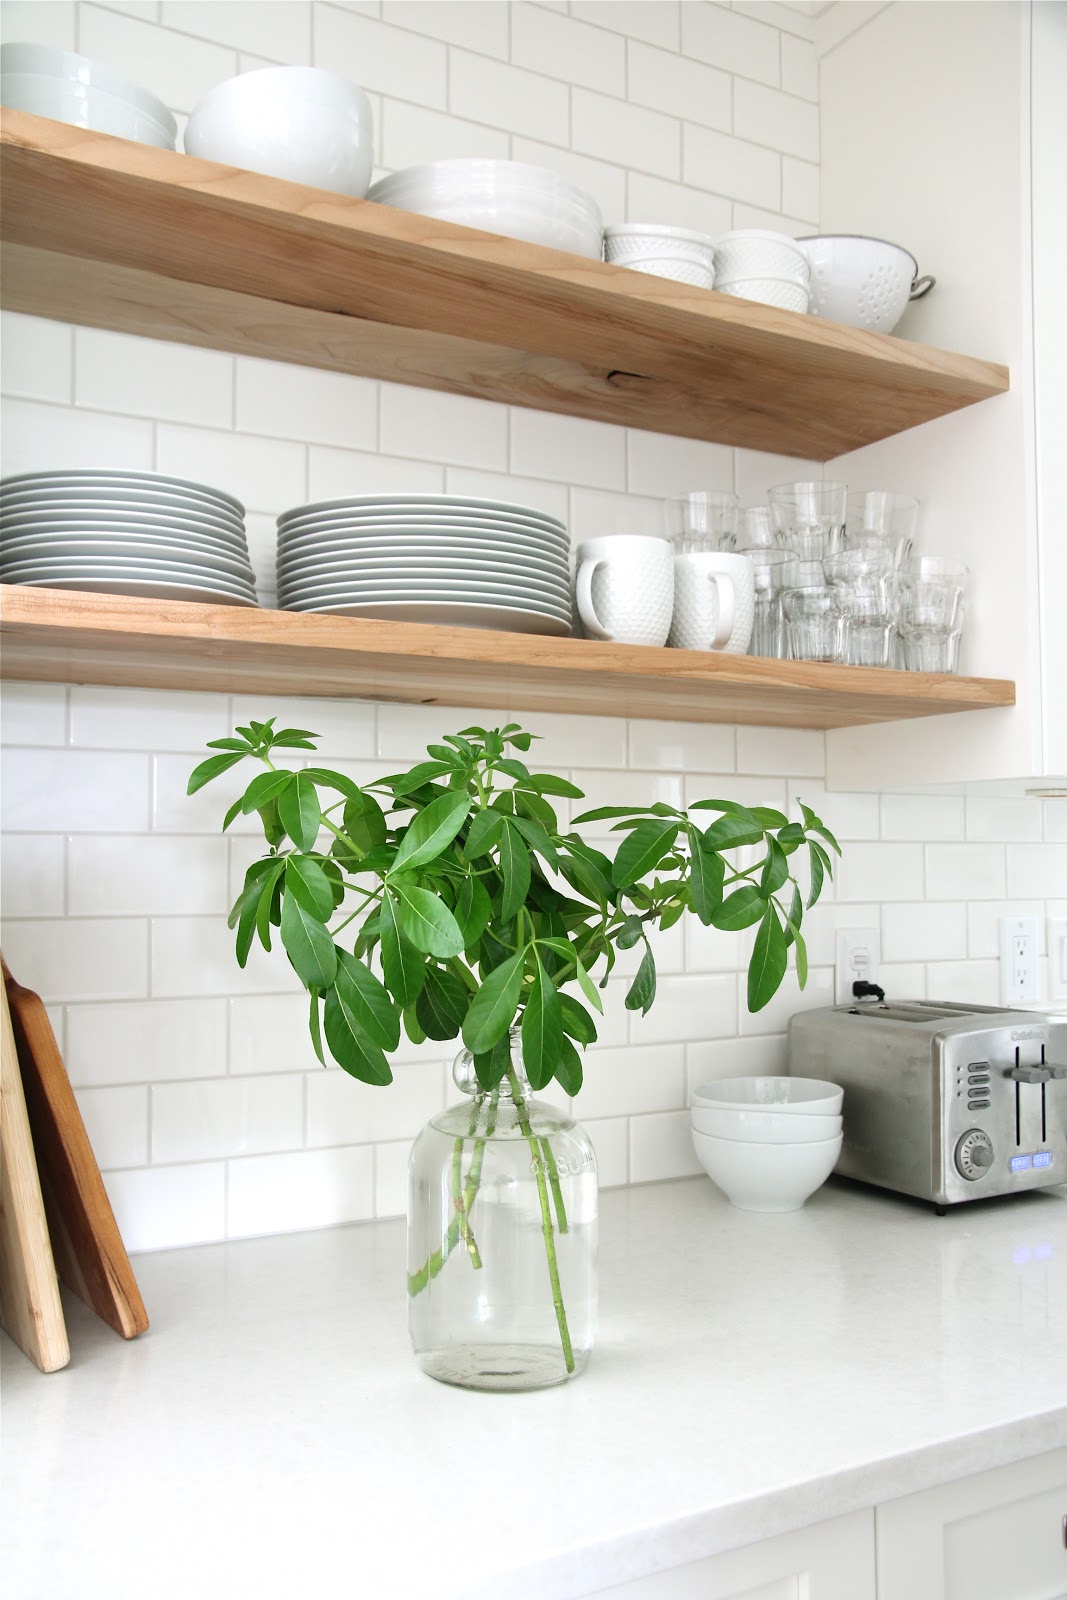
(512, 198)
(780, 292)
(766, 1177)
(43, 60)
(83, 106)
(300, 123)
(793, 1096)
(635, 241)
(764, 1127)
(759, 253)
(864, 283)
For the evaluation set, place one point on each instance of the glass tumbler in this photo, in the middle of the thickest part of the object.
(703, 519)
(769, 568)
(931, 613)
(809, 517)
(877, 514)
(866, 584)
(814, 624)
(756, 529)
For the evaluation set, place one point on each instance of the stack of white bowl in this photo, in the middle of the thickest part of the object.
(73, 88)
(510, 197)
(767, 1143)
(758, 264)
(677, 253)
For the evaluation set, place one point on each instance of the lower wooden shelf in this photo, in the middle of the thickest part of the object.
(62, 636)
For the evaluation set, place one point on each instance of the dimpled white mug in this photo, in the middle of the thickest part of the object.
(624, 588)
(713, 602)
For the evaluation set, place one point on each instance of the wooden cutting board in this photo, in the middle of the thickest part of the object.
(89, 1253)
(30, 1307)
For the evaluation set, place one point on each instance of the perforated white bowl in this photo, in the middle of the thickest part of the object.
(680, 270)
(759, 253)
(778, 292)
(626, 242)
(864, 283)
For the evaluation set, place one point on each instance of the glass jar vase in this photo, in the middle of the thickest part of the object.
(502, 1238)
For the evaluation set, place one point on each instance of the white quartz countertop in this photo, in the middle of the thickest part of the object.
(271, 1435)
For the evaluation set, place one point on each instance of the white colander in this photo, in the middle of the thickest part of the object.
(864, 283)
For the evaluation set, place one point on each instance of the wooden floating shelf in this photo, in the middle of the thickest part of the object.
(116, 235)
(61, 636)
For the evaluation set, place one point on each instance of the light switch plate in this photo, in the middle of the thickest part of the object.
(858, 955)
(1018, 960)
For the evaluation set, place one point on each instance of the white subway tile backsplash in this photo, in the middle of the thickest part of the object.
(546, 445)
(452, 428)
(847, 815)
(508, 97)
(880, 872)
(278, 399)
(1002, 819)
(800, 67)
(661, 1146)
(158, 1208)
(758, 1056)
(1037, 871)
(682, 746)
(610, 1137)
(1055, 820)
(307, 1189)
(561, 46)
(33, 874)
(924, 932)
(36, 357)
(974, 982)
(789, 18)
(965, 871)
(904, 980)
(195, 956)
(106, 718)
(983, 925)
(54, 23)
(745, 791)
(177, 68)
(729, 166)
(596, 512)
(624, 1082)
(215, 1117)
(675, 204)
(659, 464)
(800, 189)
(607, 788)
(344, 727)
(537, 493)
(146, 377)
(656, 21)
(688, 1008)
(341, 1110)
(264, 474)
(146, 875)
(796, 752)
(773, 1018)
(391, 1178)
(769, 117)
(147, 1042)
(75, 790)
(340, 474)
(688, 89)
(88, 958)
(392, 61)
(40, 438)
(409, 133)
(617, 131)
(756, 471)
(604, 182)
(269, 1033)
(33, 714)
(469, 23)
(280, 31)
(116, 1121)
(733, 42)
(922, 816)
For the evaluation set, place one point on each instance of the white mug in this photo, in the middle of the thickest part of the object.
(713, 602)
(625, 588)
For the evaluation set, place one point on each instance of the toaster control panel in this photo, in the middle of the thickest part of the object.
(974, 1154)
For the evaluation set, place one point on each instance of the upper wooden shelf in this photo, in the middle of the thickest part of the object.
(117, 235)
(59, 636)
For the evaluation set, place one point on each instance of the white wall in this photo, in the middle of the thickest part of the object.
(202, 1096)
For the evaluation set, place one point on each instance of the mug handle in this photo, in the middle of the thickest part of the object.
(584, 597)
(724, 626)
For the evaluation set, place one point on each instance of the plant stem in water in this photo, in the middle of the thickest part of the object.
(417, 1281)
(553, 1178)
(546, 1221)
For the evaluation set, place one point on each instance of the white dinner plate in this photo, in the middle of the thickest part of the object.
(121, 545)
(64, 522)
(198, 512)
(90, 478)
(40, 571)
(443, 522)
(148, 589)
(171, 502)
(426, 578)
(434, 502)
(498, 550)
(436, 531)
(507, 619)
(454, 595)
(117, 554)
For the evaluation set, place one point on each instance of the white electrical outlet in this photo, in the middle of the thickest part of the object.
(1018, 960)
(858, 954)
(1057, 958)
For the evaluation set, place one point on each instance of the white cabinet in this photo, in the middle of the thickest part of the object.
(944, 127)
(995, 1536)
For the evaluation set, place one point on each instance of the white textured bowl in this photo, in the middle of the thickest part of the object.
(864, 283)
(83, 106)
(629, 241)
(682, 271)
(300, 123)
(780, 292)
(513, 198)
(794, 1096)
(764, 1127)
(43, 60)
(760, 253)
(766, 1177)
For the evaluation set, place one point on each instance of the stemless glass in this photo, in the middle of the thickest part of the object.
(877, 514)
(931, 613)
(866, 584)
(703, 519)
(814, 624)
(809, 517)
(756, 529)
(769, 568)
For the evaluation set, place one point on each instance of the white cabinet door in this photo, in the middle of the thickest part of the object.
(829, 1561)
(996, 1536)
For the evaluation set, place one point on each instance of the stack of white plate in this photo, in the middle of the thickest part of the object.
(135, 533)
(427, 558)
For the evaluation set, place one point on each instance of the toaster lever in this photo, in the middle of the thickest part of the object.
(1030, 1074)
(1054, 1070)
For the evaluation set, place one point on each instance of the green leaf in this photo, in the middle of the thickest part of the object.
(790, 837)
(473, 911)
(643, 850)
(588, 987)
(433, 830)
(630, 932)
(403, 966)
(299, 812)
(348, 1042)
(426, 921)
(548, 783)
(483, 833)
(442, 1005)
(272, 828)
(334, 780)
(308, 945)
(267, 786)
(642, 991)
(817, 874)
(230, 744)
(706, 873)
(824, 833)
(245, 910)
(314, 1025)
(234, 811)
(775, 869)
(368, 998)
(740, 909)
(770, 817)
(491, 1065)
(364, 822)
(538, 839)
(766, 968)
(269, 909)
(602, 813)
(413, 1027)
(522, 741)
(569, 1068)
(577, 1021)
(796, 914)
(211, 768)
(305, 879)
(672, 914)
(492, 1011)
(406, 782)
(515, 871)
(542, 1029)
(537, 808)
(734, 830)
(802, 959)
(292, 738)
(514, 769)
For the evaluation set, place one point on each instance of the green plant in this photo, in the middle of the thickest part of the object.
(478, 910)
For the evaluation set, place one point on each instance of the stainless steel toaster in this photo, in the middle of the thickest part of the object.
(943, 1101)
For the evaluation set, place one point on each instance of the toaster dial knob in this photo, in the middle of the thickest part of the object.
(974, 1154)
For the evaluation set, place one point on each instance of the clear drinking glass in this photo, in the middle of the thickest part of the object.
(814, 624)
(756, 530)
(768, 621)
(703, 519)
(881, 515)
(502, 1238)
(866, 584)
(931, 613)
(809, 517)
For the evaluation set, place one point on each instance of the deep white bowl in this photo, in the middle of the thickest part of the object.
(760, 253)
(83, 106)
(300, 123)
(764, 1127)
(628, 241)
(43, 60)
(864, 283)
(794, 1096)
(780, 292)
(679, 268)
(766, 1177)
(513, 198)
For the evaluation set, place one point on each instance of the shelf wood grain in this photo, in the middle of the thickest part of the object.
(117, 235)
(62, 636)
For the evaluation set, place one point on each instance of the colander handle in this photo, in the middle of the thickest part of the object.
(921, 286)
